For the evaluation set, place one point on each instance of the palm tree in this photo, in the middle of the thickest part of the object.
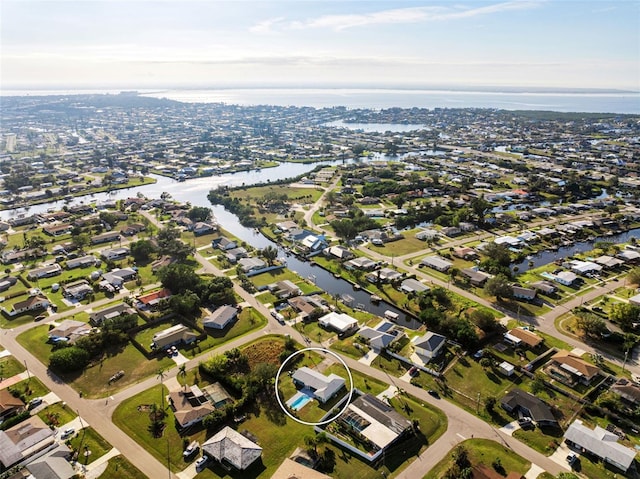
(182, 371)
(160, 376)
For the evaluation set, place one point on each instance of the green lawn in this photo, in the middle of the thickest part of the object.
(136, 424)
(350, 347)
(57, 414)
(10, 366)
(410, 244)
(484, 451)
(119, 467)
(89, 440)
(27, 389)
(35, 340)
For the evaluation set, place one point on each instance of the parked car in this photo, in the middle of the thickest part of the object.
(525, 423)
(571, 459)
(67, 433)
(279, 317)
(191, 449)
(413, 371)
(434, 393)
(35, 402)
(201, 463)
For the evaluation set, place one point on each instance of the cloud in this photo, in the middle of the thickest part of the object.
(266, 26)
(397, 16)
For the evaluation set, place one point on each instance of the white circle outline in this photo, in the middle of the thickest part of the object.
(331, 419)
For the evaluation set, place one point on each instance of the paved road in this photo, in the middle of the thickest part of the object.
(98, 412)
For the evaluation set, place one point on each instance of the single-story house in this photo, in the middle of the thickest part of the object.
(118, 277)
(312, 243)
(45, 271)
(24, 440)
(77, 290)
(107, 237)
(635, 300)
(520, 402)
(628, 391)
(132, 229)
(223, 243)
(7, 282)
(82, 262)
(57, 230)
(98, 317)
(190, 406)
(32, 303)
(437, 263)
(307, 304)
(374, 419)
(583, 267)
(52, 465)
(9, 404)
(508, 240)
(427, 234)
(233, 255)
(629, 256)
(340, 322)
(412, 285)
(151, 300)
(545, 287)
(566, 366)
(172, 336)
(476, 278)
(600, 443)
(520, 292)
(361, 263)
(203, 228)
(430, 345)
(251, 264)
(285, 289)
(221, 317)
(381, 336)
(566, 278)
(339, 252)
(323, 387)
(230, 447)
(464, 252)
(383, 275)
(608, 262)
(291, 468)
(525, 336)
(69, 330)
(114, 254)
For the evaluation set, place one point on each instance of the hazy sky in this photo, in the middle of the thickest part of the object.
(146, 44)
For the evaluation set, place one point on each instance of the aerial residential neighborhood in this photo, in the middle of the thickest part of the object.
(421, 295)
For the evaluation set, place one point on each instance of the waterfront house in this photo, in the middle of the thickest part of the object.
(339, 322)
(251, 264)
(412, 285)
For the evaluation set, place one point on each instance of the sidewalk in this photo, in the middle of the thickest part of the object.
(97, 467)
(5, 383)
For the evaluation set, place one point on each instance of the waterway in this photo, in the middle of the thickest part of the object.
(545, 257)
(195, 191)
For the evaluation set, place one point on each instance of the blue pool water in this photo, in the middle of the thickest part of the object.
(298, 401)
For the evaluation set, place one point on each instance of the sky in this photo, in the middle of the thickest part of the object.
(137, 44)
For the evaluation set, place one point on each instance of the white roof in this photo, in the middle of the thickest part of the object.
(324, 386)
(339, 321)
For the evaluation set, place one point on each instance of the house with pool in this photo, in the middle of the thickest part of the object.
(314, 385)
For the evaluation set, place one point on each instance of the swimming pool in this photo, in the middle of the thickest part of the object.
(298, 401)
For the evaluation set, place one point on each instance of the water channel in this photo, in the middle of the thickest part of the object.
(194, 191)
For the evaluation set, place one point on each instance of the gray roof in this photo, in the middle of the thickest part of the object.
(537, 408)
(231, 446)
(601, 443)
(430, 341)
(220, 317)
(383, 413)
(411, 284)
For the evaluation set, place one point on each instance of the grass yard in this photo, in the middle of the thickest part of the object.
(121, 468)
(409, 244)
(93, 382)
(484, 451)
(350, 347)
(314, 331)
(88, 440)
(10, 366)
(274, 276)
(544, 440)
(136, 424)
(27, 389)
(57, 414)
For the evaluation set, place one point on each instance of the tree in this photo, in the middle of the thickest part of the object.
(499, 287)
(625, 314)
(179, 278)
(142, 250)
(484, 320)
(182, 372)
(634, 276)
(490, 403)
(263, 375)
(67, 359)
(270, 253)
(160, 374)
(591, 325)
(80, 241)
(485, 363)
(199, 213)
